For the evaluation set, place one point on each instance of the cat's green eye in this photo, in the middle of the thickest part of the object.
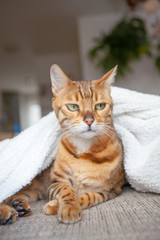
(73, 107)
(100, 106)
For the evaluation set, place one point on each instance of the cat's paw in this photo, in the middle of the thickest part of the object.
(21, 206)
(69, 213)
(8, 215)
(51, 207)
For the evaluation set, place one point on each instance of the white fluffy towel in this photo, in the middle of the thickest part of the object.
(137, 121)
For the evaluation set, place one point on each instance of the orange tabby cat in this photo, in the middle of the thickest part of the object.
(88, 168)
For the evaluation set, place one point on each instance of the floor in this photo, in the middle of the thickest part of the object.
(130, 216)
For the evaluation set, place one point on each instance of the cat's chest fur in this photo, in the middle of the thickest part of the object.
(87, 176)
(81, 145)
(81, 160)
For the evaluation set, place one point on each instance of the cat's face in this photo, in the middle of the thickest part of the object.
(84, 108)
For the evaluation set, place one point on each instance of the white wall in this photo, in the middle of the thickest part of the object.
(17, 73)
(144, 77)
(69, 63)
(27, 117)
(90, 27)
(24, 73)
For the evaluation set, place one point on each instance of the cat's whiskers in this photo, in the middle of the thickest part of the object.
(110, 130)
(67, 134)
(97, 139)
(69, 131)
(108, 126)
(66, 131)
(106, 131)
(105, 128)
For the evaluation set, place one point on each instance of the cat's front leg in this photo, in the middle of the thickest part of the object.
(51, 207)
(91, 199)
(20, 201)
(69, 210)
(8, 214)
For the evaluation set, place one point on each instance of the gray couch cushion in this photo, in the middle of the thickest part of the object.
(132, 215)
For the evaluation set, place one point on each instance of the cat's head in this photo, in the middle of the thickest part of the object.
(83, 108)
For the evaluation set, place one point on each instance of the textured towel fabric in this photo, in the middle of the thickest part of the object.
(137, 121)
(27, 154)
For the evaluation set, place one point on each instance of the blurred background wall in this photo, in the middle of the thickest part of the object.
(35, 34)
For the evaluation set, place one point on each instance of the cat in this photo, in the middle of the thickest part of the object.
(88, 169)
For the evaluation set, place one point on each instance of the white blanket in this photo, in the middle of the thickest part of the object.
(137, 121)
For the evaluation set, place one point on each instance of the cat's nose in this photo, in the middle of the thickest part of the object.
(89, 119)
(89, 122)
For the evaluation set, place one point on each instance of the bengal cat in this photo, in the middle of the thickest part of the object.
(88, 169)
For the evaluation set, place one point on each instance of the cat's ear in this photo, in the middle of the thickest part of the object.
(109, 78)
(58, 79)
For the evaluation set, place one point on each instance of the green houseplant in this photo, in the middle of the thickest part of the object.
(158, 57)
(127, 42)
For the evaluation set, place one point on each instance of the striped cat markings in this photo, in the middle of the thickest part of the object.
(88, 168)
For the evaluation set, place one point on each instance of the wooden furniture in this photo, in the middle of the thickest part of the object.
(5, 135)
